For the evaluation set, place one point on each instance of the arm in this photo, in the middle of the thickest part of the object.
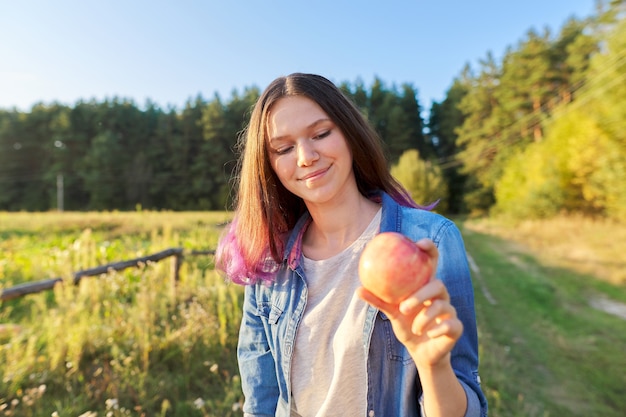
(437, 326)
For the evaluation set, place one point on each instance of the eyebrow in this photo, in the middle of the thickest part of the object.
(311, 126)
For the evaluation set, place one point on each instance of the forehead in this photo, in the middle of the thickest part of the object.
(293, 112)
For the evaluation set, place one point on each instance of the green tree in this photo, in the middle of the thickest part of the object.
(28, 155)
(360, 94)
(572, 53)
(12, 175)
(101, 172)
(209, 175)
(479, 137)
(568, 172)
(139, 170)
(378, 109)
(526, 84)
(186, 141)
(409, 103)
(61, 162)
(506, 107)
(115, 169)
(444, 119)
(85, 123)
(398, 133)
(603, 99)
(168, 153)
(397, 118)
(581, 165)
(222, 124)
(422, 179)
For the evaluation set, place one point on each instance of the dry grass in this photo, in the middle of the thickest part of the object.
(588, 246)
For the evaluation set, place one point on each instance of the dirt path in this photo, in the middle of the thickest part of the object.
(609, 306)
(478, 277)
(600, 303)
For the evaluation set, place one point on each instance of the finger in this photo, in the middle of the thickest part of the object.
(390, 310)
(452, 328)
(431, 315)
(429, 247)
(435, 289)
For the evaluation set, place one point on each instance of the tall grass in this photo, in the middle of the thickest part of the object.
(134, 343)
(126, 343)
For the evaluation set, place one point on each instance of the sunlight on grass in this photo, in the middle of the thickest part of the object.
(125, 343)
(579, 243)
(545, 349)
(136, 343)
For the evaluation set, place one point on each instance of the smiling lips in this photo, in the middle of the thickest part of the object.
(314, 175)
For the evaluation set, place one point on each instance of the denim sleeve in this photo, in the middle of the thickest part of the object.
(453, 270)
(473, 403)
(256, 362)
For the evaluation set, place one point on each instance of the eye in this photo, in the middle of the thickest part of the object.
(322, 135)
(282, 151)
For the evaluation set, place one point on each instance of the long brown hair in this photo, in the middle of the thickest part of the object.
(265, 210)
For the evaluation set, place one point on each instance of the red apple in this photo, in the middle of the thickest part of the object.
(392, 267)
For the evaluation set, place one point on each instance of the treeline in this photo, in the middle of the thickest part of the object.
(116, 155)
(540, 132)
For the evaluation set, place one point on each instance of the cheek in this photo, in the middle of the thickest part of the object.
(281, 167)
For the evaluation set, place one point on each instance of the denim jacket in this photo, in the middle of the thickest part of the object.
(272, 312)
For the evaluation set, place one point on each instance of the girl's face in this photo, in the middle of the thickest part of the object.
(309, 154)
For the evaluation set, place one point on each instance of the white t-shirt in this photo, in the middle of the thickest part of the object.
(328, 372)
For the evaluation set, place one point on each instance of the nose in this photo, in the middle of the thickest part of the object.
(306, 154)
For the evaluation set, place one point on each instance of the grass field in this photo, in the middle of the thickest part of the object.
(546, 349)
(125, 343)
(132, 343)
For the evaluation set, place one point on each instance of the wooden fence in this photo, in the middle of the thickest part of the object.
(177, 255)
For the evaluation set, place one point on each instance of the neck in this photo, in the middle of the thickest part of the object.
(337, 226)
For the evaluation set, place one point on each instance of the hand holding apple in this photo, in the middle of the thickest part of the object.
(397, 278)
(393, 267)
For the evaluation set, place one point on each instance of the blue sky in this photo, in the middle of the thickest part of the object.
(170, 51)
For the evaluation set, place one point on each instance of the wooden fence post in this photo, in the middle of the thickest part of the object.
(177, 261)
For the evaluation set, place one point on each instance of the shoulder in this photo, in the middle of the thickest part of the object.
(417, 223)
(434, 224)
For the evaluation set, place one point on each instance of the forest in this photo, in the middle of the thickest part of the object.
(539, 132)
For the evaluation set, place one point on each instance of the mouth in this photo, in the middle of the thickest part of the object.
(314, 175)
